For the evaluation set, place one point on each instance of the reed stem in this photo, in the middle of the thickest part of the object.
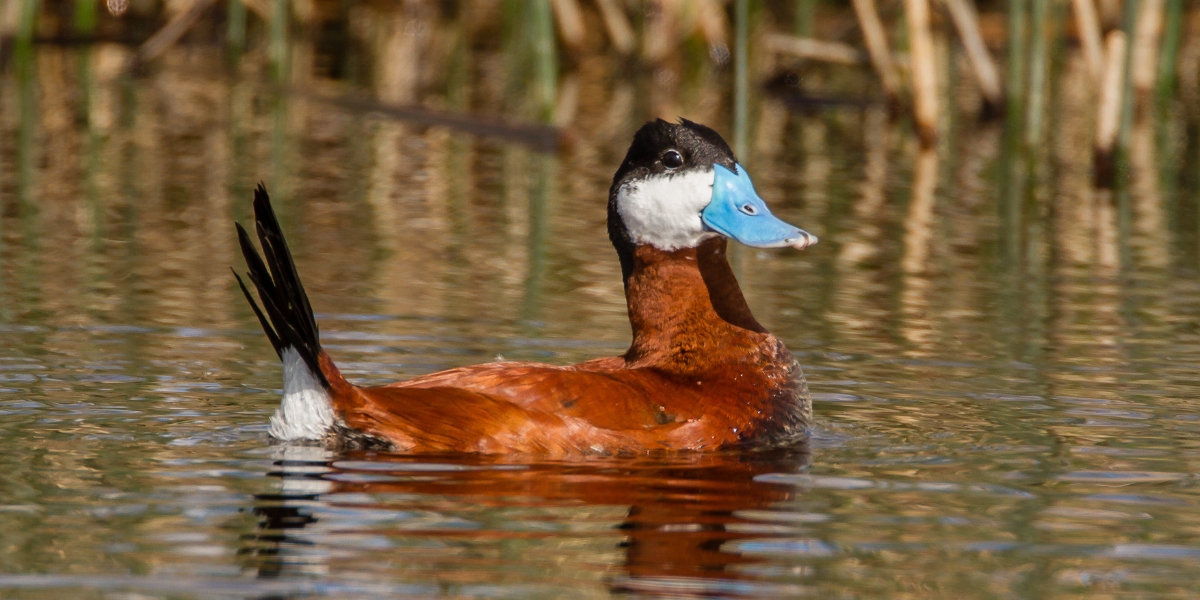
(1172, 38)
(545, 60)
(616, 24)
(877, 47)
(27, 109)
(84, 19)
(924, 71)
(1147, 32)
(967, 24)
(26, 22)
(741, 84)
(811, 49)
(1129, 25)
(1038, 67)
(279, 44)
(84, 24)
(1017, 49)
(568, 17)
(1108, 119)
(1088, 24)
(235, 29)
(806, 12)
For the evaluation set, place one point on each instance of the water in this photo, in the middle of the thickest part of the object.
(1003, 361)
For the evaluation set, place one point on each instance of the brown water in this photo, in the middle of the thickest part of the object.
(1004, 363)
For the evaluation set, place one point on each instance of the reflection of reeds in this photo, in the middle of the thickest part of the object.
(918, 240)
(918, 226)
(1149, 219)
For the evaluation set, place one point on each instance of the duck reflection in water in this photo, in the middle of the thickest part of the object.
(674, 522)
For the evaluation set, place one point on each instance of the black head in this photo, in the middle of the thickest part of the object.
(695, 144)
(662, 148)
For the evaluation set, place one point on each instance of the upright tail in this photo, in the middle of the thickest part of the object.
(287, 319)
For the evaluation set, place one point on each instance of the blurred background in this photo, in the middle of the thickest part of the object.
(1000, 325)
(476, 137)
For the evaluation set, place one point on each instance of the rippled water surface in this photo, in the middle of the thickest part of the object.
(1004, 363)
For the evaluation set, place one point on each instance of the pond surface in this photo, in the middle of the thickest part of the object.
(1003, 361)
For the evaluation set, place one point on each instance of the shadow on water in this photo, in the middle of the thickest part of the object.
(674, 525)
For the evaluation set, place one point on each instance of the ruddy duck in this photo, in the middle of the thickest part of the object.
(700, 374)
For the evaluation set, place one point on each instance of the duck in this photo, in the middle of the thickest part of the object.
(701, 373)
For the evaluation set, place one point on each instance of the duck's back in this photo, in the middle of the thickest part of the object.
(607, 406)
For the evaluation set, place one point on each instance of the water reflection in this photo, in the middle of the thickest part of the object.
(685, 526)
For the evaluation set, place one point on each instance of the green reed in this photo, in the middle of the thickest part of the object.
(1017, 52)
(84, 17)
(84, 24)
(279, 40)
(1039, 59)
(806, 14)
(235, 29)
(1169, 55)
(545, 58)
(741, 83)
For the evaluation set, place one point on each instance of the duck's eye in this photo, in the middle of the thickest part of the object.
(672, 159)
(749, 209)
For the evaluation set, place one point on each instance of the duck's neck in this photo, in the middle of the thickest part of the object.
(686, 308)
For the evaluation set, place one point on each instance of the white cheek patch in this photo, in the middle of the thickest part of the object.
(664, 210)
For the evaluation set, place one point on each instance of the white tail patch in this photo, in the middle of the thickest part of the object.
(306, 412)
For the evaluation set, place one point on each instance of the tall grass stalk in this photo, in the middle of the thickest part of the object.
(806, 13)
(1168, 58)
(235, 29)
(1129, 25)
(1038, 69)
(26, 24)
(1016, 59)
(84, 19)
(279, 39)
(545, 58)
(741, 86)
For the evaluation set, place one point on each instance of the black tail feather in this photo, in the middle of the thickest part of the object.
(262, 319)
(286, 315)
